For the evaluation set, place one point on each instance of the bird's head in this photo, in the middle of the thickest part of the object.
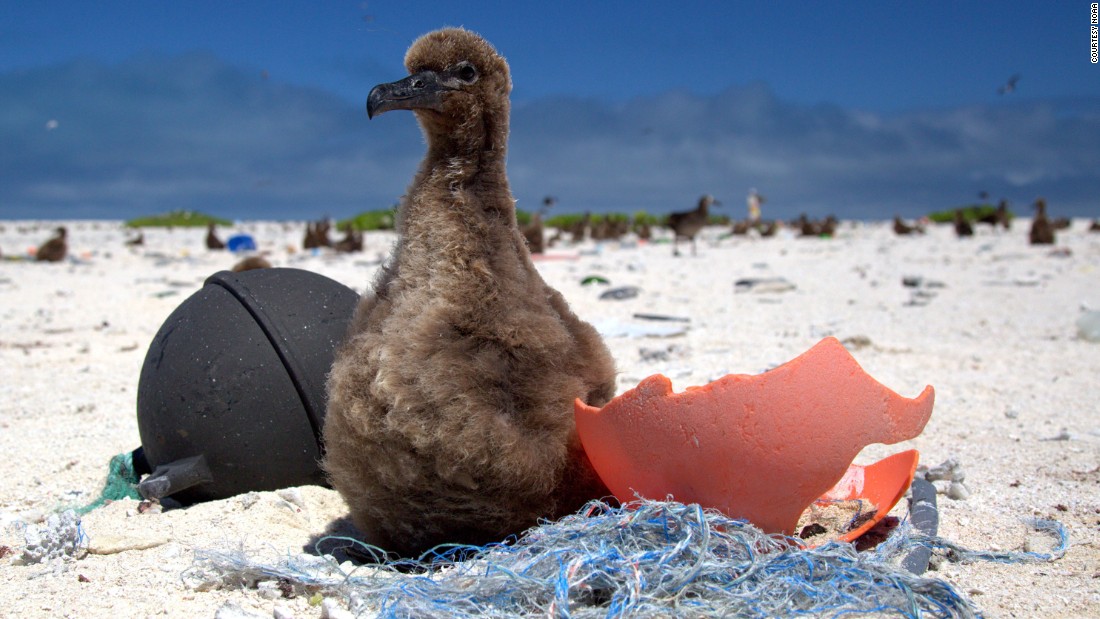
(458, 86)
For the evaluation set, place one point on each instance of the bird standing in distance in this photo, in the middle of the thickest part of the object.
(352, 241)
(55, 249)
(450, 410)
(212, 240)
(999, 217)
(533, 231)
(687, 224)
(1009, 86)
(1042, 232)
(580, 228)
(963, 227)
(903, 229)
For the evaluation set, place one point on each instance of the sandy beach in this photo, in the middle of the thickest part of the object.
(988, 321)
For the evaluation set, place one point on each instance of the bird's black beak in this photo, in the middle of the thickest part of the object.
(422, 90)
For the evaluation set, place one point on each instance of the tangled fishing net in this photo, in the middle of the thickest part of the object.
(646, 559)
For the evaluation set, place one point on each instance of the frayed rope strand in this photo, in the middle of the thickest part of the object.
(646, 559)
(121, 483)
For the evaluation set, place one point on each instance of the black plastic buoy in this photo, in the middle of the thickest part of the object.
(231, 397)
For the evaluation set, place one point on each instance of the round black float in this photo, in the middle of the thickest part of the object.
(231, 397)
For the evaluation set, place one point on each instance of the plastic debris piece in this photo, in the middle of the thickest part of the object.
(756, 447)
(644, 559)
(662, 317)
(614, 328)
(595, 279)
(240, 242)
(620, 294)
(763, 285)
(856, 342)
(1088, 326)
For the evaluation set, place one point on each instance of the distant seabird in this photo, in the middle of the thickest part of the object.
(533, 231)
(903, 229)
(1009, 86)
(352, 241)
(998, 217)
(317, 235)
(768, 228)
(816, 228)
(212, 240)
(578, 230)
(686, 224)
(1042, 232)
(54, 250)
(962, 224)
(450, 414)
(608, 228)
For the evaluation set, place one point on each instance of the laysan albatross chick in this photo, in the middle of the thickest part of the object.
(55, 249)
(212, 240)
(450, 412)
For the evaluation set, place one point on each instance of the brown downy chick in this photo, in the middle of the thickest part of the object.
(212, 240)
(1042, 232)
(309, 241)
(963, 227)
(55, 249)
(900, 227)
(450, 413)
(352, 241)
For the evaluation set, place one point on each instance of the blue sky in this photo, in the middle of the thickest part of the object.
(255, 109)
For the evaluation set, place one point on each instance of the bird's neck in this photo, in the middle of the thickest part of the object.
(460, 207)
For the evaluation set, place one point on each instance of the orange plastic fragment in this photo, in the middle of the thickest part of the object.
(758, 447)
(882, 484)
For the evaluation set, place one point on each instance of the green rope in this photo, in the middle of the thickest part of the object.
(121, 483)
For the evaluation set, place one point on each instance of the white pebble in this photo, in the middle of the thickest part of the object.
(229, 610)
(957, 491)
(269, 590)
(292, 496)
(331, 609)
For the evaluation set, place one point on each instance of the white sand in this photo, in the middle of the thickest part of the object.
(1015, 389)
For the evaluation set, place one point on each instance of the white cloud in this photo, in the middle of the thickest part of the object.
(157, 133)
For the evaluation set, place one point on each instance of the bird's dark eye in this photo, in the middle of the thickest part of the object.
(466, 73)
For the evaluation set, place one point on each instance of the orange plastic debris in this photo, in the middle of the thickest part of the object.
(882, 484)
(758, 447)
